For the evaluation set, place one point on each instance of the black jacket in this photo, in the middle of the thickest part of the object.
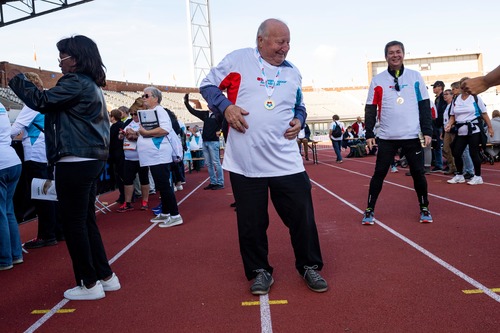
(76, 119)
(212, 123)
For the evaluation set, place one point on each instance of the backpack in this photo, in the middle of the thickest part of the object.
(336, 131)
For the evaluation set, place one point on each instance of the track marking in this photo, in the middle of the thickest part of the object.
(58, 311)
(64, 301)
(266, 326)
(479, 291)
(419, 248)
(252, 303)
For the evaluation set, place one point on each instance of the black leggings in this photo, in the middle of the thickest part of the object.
(413, 151)
(458, 147)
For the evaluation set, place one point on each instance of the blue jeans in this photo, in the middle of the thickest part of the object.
(337, 144)
(212, 162)
(467, 160)
(10, 240)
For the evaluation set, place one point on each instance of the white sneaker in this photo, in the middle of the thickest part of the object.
(160, 218)
(476, 180)
(81, 293)
(394, 169)
(179, 188)
(174, 220)
(112, 284)
(457, 179)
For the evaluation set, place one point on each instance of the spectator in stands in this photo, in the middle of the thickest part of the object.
(10, 170)
(116, 158)
(31, 124)
(359, 128)
(156, 153)
(437, 126)
(479, 84)
(77, 139)
(495, 139)
(131, 164)
(336, 141)
(400, 95)
(212, 124)
(303, 140)
(465, 113)
(261, 153)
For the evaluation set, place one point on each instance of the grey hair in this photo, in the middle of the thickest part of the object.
(155, 92)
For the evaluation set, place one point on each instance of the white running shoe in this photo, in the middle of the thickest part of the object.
(112, 284)
(179, 188)
(457, 179)
(160, 218)
(476, 180)
(394, 169)
(173, 221)
(81, 293)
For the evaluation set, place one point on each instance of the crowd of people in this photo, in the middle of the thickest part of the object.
(66, 131)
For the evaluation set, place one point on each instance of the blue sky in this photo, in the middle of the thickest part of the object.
(147, 40)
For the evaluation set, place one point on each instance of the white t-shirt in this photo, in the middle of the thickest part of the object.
(157, 150)
(33, 137)
(8, 156)
(130, 147)
(398, 121)
(263, 150)
(466, 111)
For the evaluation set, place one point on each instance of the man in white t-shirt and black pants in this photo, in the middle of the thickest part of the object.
(265, 116)
(399, 100)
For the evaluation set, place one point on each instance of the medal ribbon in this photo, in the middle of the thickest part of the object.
(269, 86)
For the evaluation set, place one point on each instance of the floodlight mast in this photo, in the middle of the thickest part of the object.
(14, 11)
(201, 38)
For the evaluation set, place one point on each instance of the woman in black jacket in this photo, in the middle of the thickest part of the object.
(77, 142)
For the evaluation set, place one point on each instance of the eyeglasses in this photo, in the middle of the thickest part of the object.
(133, 114)
(146, 96)
(61, 60)
(396, 84)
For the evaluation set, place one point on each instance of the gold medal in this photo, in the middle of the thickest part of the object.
(269, 104)
(400, 100)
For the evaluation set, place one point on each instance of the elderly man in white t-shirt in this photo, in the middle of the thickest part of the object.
(265, 116)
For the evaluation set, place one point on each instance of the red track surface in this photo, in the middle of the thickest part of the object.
(395, 276)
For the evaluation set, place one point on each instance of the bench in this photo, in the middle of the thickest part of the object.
(314, 149)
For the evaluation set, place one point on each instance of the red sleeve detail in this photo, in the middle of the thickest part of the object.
(231, 83)
(377, 99)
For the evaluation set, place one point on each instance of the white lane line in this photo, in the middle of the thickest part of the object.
(411, 189)
(265, 315)
(419, 248)
(63, 302)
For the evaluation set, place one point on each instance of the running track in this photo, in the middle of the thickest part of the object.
(395, 276)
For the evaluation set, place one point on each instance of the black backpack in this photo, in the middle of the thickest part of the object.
(337, 131)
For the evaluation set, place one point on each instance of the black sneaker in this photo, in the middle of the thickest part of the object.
(314, 281)
(262, 282)
(209, 187)
(218, 187)
(437, 169)
(37, 243)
